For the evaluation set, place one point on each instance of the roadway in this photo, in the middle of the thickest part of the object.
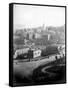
(26, 68)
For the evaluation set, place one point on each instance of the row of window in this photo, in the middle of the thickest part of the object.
(37, 53)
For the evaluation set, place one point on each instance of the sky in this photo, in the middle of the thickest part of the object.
(29, 16)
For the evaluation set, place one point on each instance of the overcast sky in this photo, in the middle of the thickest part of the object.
(34, 16)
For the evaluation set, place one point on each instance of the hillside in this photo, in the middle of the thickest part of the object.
(49, 35)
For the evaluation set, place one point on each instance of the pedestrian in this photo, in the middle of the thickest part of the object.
(56, 57)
